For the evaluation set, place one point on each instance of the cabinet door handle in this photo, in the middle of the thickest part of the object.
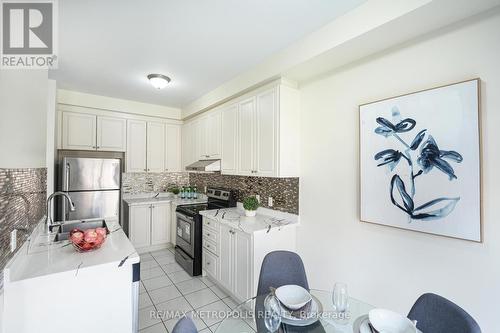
(208, 263)
(208, 234)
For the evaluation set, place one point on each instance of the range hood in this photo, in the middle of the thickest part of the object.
(204, 165)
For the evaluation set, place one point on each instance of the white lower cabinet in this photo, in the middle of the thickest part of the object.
(232, 257)
(242, 258)
(149, 225)
(226, 259)
(160, 226)
(140, 226)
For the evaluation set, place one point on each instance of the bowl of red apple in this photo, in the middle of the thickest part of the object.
(87, 240)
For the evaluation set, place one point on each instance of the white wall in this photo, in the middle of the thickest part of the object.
(23, 118)
(76, 98)
(384, 266)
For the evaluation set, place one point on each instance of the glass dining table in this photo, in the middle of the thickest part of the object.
(247, 317)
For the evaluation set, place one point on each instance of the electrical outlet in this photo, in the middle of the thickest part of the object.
(257, 197)
(13, 240)
(270, 201)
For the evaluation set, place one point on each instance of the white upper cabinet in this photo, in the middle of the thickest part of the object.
(188, 145)
(78, 131)
(136, 145)
(246, 137)
(229, 133)
(201, 138)
(202, 135)
(208, 136)
(213, 136)
(111, 134)
(173, 148)
(155, 147)
(83, 131)
(265, 134)
(150, 143)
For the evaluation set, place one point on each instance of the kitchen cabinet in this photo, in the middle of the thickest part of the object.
(140, 226)
(79, 131)
(188, 144)
(229, 132)
(136, 146)
(173, 148)
(111, 134)
(160, 228)
(207, 133)
(82, 131)
(226, 260)
(150, 143)
(266, 135)
(246, 137)
(232, 258)
(213, 135)
(149, 225)
(242, 262)
(155, 147)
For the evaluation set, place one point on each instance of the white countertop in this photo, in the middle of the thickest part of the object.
(265, 219)
(149, 198)
(39, 256)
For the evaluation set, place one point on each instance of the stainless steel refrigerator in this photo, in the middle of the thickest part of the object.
(94, 186)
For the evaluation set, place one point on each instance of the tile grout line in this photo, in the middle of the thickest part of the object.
(173, 283)
(184, 295)
(154, 305)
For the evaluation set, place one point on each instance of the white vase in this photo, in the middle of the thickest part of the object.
(250, 213)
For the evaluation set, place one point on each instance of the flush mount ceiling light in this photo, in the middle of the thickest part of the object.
(158, 81)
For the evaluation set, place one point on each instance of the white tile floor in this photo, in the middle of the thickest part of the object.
(165, 286)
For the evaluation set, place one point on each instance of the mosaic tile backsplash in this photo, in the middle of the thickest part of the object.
(284, 191)
(136, 182)
(22, 205)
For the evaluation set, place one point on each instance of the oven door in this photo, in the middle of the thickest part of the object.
(185, 233)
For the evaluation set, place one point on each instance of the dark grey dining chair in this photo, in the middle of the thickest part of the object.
(185, 325)
(280, 268)
(436, 314)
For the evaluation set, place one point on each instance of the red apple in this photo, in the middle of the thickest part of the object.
(101, 231)
(75, 230)
(76, 237)
(90, 235)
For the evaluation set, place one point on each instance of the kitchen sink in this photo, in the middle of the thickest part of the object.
(64, 229)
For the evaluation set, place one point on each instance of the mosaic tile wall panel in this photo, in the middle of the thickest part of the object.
(152, 182)
(22, 205)
(284, 191)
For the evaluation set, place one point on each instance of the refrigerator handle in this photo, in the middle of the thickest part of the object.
(67, 177)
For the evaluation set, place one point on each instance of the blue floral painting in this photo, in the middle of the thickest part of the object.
(430, 157)
(420, 161)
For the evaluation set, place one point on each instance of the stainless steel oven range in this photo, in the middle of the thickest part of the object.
(189, 228)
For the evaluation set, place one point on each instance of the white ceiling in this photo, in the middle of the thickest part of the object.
(108, 47)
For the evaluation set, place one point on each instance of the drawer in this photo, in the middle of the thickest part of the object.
(211, 264)
(210, 246)
(210, 235)
(210, 224)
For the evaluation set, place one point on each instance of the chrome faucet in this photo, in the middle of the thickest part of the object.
(49, 220)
